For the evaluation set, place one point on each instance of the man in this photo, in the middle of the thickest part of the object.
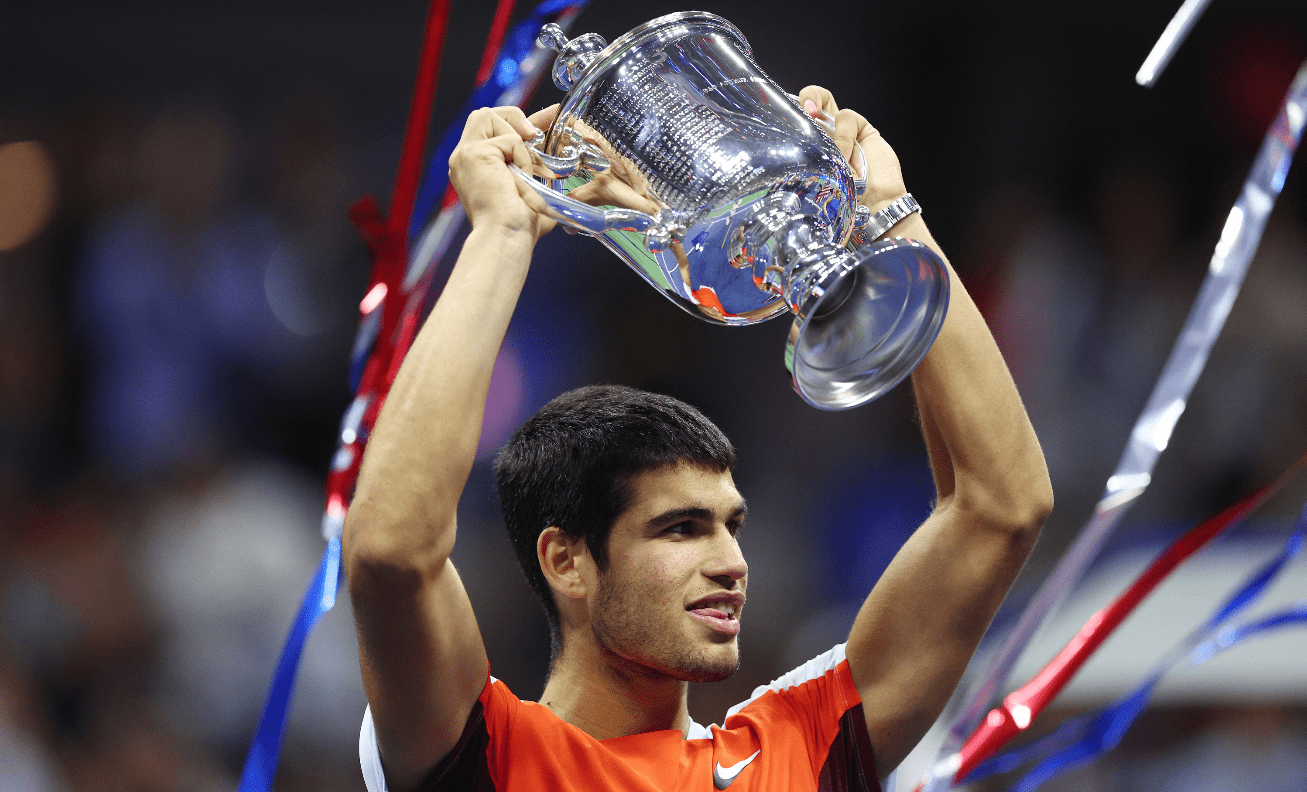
(625, 516)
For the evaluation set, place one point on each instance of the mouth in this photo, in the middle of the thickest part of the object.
(719, 613)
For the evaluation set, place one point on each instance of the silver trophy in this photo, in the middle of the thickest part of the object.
(759, 210)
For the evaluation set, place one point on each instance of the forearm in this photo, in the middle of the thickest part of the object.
(983, 450)
(922, 622)
(424, 443)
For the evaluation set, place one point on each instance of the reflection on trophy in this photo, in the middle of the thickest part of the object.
(758, 209)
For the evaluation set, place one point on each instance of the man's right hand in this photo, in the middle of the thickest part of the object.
(494, 138)
(492, 195)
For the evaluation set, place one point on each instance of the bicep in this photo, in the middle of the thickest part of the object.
(921, 623)
(423, 664)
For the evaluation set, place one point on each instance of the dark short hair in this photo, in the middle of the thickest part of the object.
(571, 464)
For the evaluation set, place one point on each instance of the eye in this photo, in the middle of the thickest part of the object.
(680, 529)
(735, 526)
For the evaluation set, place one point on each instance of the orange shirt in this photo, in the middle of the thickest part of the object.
(802, 733)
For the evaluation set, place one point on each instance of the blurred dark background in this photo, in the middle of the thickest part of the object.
(179, 287)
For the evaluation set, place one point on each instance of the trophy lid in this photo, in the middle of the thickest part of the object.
(582, 62)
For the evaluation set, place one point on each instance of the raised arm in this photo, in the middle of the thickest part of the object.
(421, 653)
(921, 623)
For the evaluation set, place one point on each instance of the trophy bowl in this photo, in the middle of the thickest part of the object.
(757, 207)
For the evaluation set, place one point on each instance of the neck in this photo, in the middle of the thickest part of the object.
(608, 696)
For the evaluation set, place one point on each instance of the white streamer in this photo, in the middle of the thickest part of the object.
(1152, 431)
(1171, 39)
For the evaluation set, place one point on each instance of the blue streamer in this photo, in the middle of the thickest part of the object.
(518, 44)
(265, 750)
(1113, 725)
(1081, 739)
(1152, 431)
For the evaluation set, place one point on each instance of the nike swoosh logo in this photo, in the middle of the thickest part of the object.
(723, 776)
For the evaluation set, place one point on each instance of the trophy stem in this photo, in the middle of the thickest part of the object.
(804, 260)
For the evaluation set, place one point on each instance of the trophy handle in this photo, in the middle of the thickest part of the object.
(578, 155)
(860, 182)
(593, 220)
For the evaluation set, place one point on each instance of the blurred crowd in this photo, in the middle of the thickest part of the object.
(173, 343)
(178, 297)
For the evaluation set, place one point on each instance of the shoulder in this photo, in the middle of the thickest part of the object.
(821, 686)
(813, 710)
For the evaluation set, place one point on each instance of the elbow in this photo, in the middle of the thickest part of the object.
(378, 550)
(1033, 509)
(1035, 496)
(1018, 510)
(1028, 505)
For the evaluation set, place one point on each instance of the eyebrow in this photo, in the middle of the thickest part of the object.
(672, 516)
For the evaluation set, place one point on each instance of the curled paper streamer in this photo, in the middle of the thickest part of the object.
(393, 304)
(1152, 431)
(1022, 706)
(1114, 725)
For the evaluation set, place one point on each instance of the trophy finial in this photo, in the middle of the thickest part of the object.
(573, 54)
(553, 37)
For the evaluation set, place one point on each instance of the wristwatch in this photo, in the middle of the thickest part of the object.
(885, 219)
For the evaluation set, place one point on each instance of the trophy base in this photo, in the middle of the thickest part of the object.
(870, 322)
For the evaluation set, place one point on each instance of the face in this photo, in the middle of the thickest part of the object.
(672, 595)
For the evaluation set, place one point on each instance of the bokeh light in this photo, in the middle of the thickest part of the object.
(27, 192)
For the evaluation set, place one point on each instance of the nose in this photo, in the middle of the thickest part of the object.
(726, 565)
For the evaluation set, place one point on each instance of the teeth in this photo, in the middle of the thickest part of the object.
(729, 610)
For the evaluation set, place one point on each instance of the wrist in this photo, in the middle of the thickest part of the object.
(880, 222)
(502, 234)
(912, 227)
(884, 196)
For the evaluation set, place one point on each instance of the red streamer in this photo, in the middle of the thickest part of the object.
(498, 29)
(1023, 705)
(387, 241)
(388, 245)
(419, 120)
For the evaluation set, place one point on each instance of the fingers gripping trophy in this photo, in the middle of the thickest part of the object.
(754, 208)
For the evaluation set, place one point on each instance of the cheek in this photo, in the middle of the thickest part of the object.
(676, 570)
(669, 572)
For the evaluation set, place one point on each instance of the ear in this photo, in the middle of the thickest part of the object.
(563, 561)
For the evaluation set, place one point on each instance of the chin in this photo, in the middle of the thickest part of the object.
(712, 674)
(712, 666)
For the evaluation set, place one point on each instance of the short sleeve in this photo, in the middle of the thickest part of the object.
(463, 769)
(816, 705)
(370, 756)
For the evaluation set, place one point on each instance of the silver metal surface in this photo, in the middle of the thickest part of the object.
(888, 217)
(757, 205)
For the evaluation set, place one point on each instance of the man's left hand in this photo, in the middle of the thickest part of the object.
(884, 176)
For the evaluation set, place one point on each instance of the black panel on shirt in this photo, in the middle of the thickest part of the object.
(465, 768)
(850, 766)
